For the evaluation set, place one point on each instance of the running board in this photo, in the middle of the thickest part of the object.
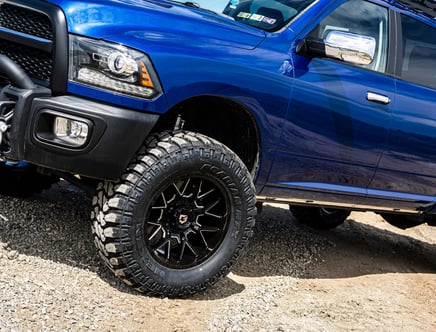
(362, 207)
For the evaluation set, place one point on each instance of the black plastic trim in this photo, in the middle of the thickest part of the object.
(394, 44)
(397, 47)
(116, 136)
(23, 99)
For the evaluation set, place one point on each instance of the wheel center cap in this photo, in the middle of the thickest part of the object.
(183, 219)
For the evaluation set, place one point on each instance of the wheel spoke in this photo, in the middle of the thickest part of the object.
(184, 187)
(158, 228)
(164, 206)
(201, 196)
(198, 217)
(205, 242)
(210, 207)
(164, 248)
(206, 193)
(161, 214)
(210, 229)
(207, 229)
(191, 248)
(186, 244)
(182, 251)
(168, 250)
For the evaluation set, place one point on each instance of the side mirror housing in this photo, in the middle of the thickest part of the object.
(345, 46)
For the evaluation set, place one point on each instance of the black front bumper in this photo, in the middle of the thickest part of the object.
(115, 134)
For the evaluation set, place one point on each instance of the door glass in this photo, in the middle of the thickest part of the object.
(419, 52)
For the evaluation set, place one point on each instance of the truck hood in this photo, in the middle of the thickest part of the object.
(107, 18)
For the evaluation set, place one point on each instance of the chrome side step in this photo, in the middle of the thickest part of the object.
(360, 207)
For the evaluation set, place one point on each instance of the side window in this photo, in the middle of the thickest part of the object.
(361, 18)
(419, 52)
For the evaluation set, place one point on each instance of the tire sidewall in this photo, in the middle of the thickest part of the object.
(332, 217)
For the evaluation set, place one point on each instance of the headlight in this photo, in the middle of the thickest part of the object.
(112, 67)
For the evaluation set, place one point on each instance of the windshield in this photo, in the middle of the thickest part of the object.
(269, 15)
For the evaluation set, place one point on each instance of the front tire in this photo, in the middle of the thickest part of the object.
(319, 217)
(179, 218)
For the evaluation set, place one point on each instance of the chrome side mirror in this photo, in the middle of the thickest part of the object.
(345, 46)
(350, 47)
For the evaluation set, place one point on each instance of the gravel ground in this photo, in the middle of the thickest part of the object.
(290, 278)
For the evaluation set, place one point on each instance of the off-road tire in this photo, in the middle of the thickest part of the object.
(318, 217)
(403, 221)
(23, 180)
(141, 221)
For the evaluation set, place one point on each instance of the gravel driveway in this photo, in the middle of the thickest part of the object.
(363, 275)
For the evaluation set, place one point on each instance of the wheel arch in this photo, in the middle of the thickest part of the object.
(222, 119)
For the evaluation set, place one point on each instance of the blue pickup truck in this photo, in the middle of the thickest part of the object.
(181, 118)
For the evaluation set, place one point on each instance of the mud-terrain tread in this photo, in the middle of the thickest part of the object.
(112, 208)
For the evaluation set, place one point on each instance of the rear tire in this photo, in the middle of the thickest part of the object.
(178, 218)
(319, 217)
(403, 221)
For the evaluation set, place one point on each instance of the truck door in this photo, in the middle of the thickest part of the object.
(408, 166)
(339, 112)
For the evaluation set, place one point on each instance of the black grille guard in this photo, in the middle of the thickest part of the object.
(17, 76)
(15, 100)
(34, 34)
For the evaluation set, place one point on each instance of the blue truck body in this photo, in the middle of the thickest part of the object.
(300, 150)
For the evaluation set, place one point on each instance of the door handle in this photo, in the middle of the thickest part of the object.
(377, 98)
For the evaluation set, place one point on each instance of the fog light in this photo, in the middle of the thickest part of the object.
(70, 131)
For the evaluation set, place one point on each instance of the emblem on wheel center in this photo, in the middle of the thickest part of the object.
(183, 219)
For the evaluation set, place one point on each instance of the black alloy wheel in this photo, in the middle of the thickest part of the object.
(187, 222)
